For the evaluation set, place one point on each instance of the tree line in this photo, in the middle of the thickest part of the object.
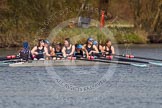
(29, 19)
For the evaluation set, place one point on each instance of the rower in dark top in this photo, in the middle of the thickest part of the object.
(92, 49)
(40, 51)
(80, 51)
(108, 49)
(25, 53)
(58, 50)
(68, 49)
(49, 48)
(99, 47)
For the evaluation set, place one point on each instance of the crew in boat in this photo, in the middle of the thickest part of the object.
(49, 48)
(80, 51)
(108, 49)
(25, 53)
(68, 49)
(90, 47)
(40, 51)
(99, 47)
(58, 49)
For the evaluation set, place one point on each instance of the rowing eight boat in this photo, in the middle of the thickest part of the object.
(77, 62)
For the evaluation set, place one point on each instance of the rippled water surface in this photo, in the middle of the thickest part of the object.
(83, 87)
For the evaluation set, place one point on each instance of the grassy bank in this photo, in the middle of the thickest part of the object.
(77, 35)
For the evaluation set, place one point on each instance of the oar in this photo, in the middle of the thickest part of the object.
(144, 58)
(115, 62)
(10, 57)
(135, 61)
(12, 61)
(7, 62)
(4, 64)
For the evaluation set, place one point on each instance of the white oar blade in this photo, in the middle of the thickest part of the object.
(155, 63)
(3, 64)
(139, 65)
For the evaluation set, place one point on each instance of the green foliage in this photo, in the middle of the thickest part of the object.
(80, 35)
(130, 38)
(33, 19)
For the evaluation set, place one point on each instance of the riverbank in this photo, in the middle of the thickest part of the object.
(78, 35)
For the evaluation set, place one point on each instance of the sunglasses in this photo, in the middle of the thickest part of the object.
(90, 40)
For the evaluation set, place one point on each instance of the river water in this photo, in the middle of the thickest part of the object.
(73, 87)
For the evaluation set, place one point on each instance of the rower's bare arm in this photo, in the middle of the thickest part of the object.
(113, 50)
(52, 52)
(46, 52)
(101, 48)
(86, 52)
(73, 50)
(96, 49)
(33, 51)
(63, 52)
(84, 48)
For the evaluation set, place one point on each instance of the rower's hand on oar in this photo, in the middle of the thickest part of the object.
(91, 52)
(36, 53)
(68, 55)
(103, 53)
(88, 57)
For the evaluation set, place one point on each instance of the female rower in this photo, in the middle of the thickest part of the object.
(58, 50)
(98, 46)
(80, 51)
(39, 51)
(49, 48)
(68, 49)
(92, 49)
(108, 49)
(25, 53)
